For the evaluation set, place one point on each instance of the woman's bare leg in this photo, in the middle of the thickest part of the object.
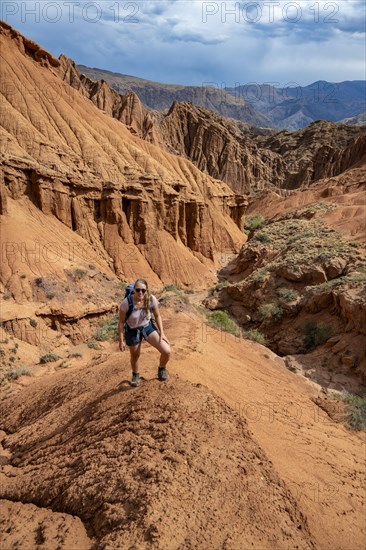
(134, 356)
(163, 347)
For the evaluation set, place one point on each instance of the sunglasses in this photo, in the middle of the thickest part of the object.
(143, 290)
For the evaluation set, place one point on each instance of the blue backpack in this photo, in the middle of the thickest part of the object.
(130, 289)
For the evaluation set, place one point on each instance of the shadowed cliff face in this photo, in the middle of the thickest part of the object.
(118, 192)
(322, 150)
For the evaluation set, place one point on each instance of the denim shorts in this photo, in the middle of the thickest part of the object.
(133, 336)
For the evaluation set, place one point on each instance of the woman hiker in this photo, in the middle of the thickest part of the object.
(135, 323)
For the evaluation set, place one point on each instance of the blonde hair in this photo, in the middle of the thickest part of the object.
(146, 295)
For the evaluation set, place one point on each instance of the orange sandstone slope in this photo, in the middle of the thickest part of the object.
(142, 210)
(167, 466)
(345, 192)
(176, 466)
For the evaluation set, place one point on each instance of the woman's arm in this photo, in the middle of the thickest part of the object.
(121, 324)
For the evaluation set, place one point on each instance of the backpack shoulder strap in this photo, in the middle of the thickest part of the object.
(130, 306)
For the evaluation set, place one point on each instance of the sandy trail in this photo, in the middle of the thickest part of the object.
(322, 462)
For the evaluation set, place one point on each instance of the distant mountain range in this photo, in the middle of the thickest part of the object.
(259, 105)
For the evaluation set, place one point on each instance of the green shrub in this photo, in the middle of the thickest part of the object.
(221, 321)
(74, 355)
(258, 275)
(189, 291)
(13, 374)
(33, 323)
(80, 273)
(217, 287)
(92, 344)
(49, 358)
(356, 411)
(256, 221)
(108, 330)
(315, 334)
(288, 294)
(172, 288)
(50, 295)
(255, 335)
(262, 237)
(270, 311)
(7, 296)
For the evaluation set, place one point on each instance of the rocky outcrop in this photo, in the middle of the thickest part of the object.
(247, 158)
(126, 108)
(28, 47)
(142, 208)
(322, 150)
(301, 285)
(219, 147)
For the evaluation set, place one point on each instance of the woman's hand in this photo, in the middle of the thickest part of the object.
(122, 345)
(163, 337)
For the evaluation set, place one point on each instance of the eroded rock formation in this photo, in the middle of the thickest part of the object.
(141, 208)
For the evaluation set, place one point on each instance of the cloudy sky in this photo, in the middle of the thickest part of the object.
(196, 42)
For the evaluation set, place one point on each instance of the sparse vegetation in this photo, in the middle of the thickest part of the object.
(217, 287)
(171, 288)
(50, 295)
(258, 275)
(7, 296)
(300, 242)
(80, 273)
(270, 311)
(288, 294)
(92, 344)
(221, 321)
(74, 355)
(33, 323)
(309, 211)
(255, 335)
(38, 281)
(315, 334)
(256, 221)
(108, 330)
(14, 374)
(356, 410)
(358, 276)
(49, 358)
(262, 237)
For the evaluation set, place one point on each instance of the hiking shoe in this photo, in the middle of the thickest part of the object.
(163, 374)
(135, 379)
